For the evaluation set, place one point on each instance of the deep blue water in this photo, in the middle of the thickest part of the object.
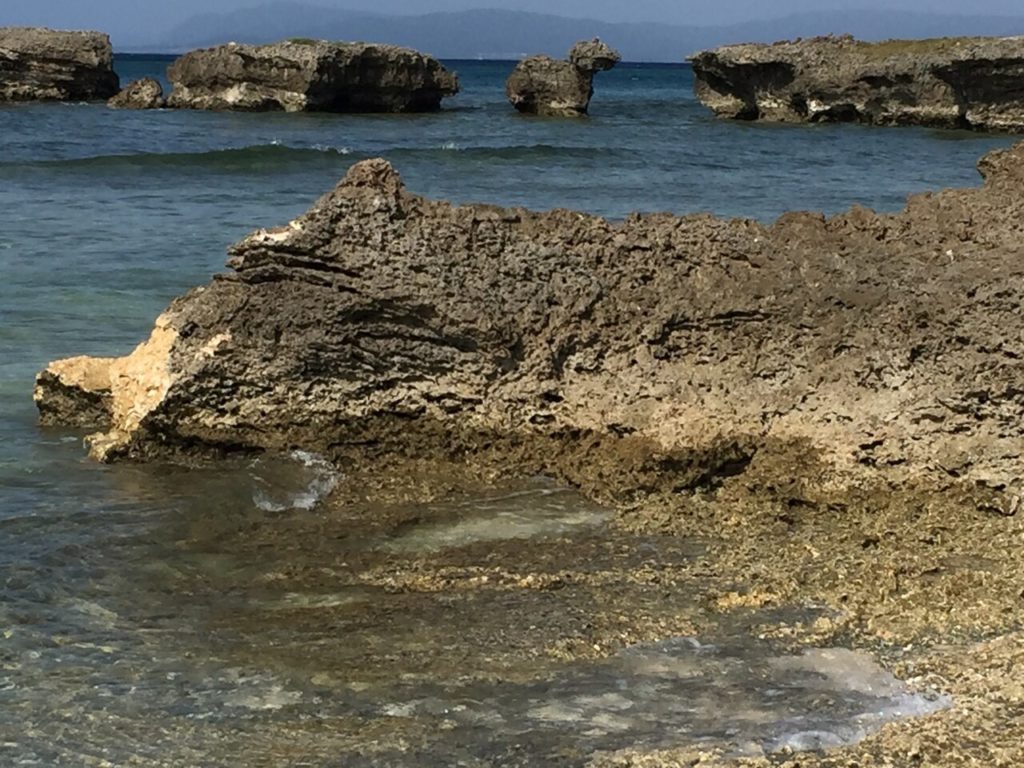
(106, 215)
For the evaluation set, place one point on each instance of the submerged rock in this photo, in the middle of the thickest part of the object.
(39, 64)
(541, 85)
(146, 93)
(312, 76)
(693, 348)
(973, 83)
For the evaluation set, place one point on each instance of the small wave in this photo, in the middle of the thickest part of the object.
(275, 155)
(298, 482)
(257, 156)
(335, 150)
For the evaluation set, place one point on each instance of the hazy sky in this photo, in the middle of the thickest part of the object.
(147, 18)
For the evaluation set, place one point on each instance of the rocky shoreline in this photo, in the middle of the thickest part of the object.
(881, 346)
(966, 83)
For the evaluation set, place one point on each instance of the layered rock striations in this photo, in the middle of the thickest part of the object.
(39, 64)
(541, 85)
(145, 93)
(310, 75)
(972, 83)
(381, 322)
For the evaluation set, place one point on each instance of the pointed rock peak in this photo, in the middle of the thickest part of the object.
(376, 173)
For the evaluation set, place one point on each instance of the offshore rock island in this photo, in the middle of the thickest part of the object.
(39, 64)
(310, 76)
(879, 348)
(968, 83)
(541, 85)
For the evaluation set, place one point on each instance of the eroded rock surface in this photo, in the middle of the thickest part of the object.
(381, 323)
(145, 93)
(541, 85)
(310, 75)
(38, 64)
(974, 83)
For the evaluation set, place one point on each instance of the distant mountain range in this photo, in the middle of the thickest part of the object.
(501, 34)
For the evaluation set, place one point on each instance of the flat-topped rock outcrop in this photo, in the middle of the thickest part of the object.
(381, 322)
(541, 85)
(38, 64)
(145, 93)
(972, 83)
(310, 75)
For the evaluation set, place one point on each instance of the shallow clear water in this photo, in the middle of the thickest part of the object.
(114, 578)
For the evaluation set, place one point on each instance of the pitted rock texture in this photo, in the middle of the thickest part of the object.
(145, 93)
(541, 85)
(969, 83)
(380, 322)
(310, 75)
(39, 64)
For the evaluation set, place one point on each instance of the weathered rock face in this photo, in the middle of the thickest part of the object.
(975, 83)
(146, 93)
(540, 85)
(313, 76)
(384, 323)
(48, 65)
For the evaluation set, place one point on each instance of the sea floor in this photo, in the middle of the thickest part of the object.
(301, 616)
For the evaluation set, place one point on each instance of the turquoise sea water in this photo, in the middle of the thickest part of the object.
(105, 216)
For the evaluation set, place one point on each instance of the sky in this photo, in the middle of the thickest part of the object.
(144, 19)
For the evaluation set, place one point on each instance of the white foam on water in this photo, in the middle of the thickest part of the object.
(738, 694)
(299, 482)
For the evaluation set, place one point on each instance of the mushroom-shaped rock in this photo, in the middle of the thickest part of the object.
(594, 56)
(38, 64)
(146, 93)
(310, 76)
(541, 85)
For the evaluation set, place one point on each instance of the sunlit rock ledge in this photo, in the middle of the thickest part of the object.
(858, 347)
(957, 82)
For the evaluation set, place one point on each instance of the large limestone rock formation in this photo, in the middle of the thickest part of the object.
(145, 93)
(975, 83)
(51, 65)
(540, 85)
(310, 75)
(383, 323)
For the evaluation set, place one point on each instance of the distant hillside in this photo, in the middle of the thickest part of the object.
(501, 34)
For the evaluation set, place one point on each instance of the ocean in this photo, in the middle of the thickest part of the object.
(115, 578)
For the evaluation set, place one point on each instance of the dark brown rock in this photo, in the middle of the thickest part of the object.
(146, 93)
(975, 83)
(383, 323)
(310, 75)
(540, 85)
(39, 64)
